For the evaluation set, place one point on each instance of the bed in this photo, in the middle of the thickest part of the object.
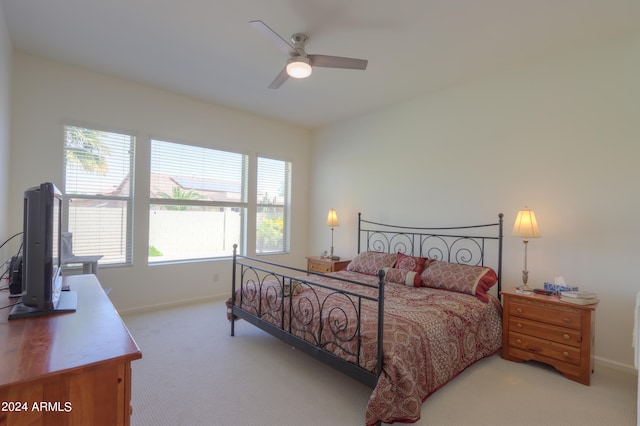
(414, 308)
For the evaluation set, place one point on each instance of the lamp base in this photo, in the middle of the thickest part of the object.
(334, 257)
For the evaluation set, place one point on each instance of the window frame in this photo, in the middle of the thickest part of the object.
(286, 205)
(242, 204)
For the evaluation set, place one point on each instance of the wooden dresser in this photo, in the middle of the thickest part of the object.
(543, 328)
(68, 368)
(325, 265)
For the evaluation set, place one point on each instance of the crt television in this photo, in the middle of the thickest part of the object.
(41, 266)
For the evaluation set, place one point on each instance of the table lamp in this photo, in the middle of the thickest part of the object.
(332, 221)
(526, 227)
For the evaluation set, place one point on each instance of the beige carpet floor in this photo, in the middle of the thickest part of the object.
(193, 373)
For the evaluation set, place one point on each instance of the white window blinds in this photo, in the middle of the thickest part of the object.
(98, 189)
(272, 206)
(198, 201)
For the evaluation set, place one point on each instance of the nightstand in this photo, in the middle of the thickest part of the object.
(325, 265)
(543, 328)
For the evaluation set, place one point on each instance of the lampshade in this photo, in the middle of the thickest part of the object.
(526, 225)
(332, 219)
(299, 67)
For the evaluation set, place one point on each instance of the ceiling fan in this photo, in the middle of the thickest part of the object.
(300, 63)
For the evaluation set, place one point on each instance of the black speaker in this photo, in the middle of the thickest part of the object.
(15, 276)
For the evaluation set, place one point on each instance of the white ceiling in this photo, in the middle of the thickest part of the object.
(207, 49)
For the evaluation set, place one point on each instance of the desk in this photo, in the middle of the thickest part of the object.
(67, 369)
(89, 263)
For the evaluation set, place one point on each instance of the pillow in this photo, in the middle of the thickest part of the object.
(412, 263)
(475, 280)
(402, 276)
(370, 262)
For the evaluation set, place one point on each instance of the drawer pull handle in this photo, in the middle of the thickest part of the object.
(519, 341)
(519, 310)
(566, 336)
(566, 319)
(566, 354)
(519, 325)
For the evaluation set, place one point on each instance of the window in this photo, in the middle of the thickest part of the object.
(272, 206)
(98, 193)
(198, 202)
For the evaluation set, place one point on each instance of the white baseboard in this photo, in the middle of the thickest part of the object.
(173, 304)
(614, 365)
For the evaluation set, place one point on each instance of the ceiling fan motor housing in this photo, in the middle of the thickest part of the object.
(299, 40)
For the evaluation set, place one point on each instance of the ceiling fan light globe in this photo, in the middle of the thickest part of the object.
(299, 67)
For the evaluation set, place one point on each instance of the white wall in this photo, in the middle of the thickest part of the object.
(562, 137)
(5, 113)
(48, 95)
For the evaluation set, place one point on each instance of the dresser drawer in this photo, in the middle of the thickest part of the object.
(567, 336)
(565, 353)
(562, 316)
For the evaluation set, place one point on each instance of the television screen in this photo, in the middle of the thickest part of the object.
(41, 266)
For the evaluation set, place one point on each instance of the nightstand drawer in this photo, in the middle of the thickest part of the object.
(567, 336)
(563, 353)
(565, 317)
(319, 267)
(325, 265)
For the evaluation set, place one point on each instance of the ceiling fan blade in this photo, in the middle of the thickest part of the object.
(280, 79)
(338, 62)
(275, 38)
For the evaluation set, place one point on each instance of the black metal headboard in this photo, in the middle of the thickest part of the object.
(458, 244)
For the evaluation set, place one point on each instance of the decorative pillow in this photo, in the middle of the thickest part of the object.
(475, 280)
(402, 276)
(412, 263)
(292, 288)
(370, 262)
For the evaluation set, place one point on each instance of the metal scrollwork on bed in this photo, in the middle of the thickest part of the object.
(302, 309)
(304, 312)
(461, 244)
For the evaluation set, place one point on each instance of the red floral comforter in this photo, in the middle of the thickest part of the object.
(430, 335)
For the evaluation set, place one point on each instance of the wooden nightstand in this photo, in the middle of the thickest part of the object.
(325, 265)
(545, 329)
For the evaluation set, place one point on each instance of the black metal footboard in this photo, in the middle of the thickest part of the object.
(324, 321)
